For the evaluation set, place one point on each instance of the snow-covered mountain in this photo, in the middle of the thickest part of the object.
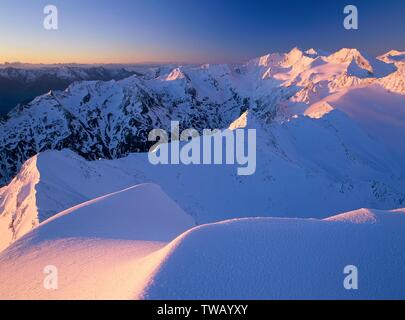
(80, 193)
(72, 72)
(393, 56)
(20, 83)
(111, 119)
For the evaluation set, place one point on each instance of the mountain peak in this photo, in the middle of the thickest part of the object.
(395, 52)
(175, 74)
(313, 53)
(393, 56)
(294, 55)
(347, 55)
(268, 60)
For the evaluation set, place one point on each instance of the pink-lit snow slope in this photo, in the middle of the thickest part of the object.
(108, 249)
(98, 247)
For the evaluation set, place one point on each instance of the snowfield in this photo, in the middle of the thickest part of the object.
(80, 194)
(272, 258)
(96, 246)
(130, 251)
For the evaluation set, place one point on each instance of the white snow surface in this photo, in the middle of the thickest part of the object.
(107, 251)
(272, 258)
(95, 245)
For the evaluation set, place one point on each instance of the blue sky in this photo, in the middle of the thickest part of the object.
(191, 30)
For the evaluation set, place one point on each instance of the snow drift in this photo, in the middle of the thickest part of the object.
(270, 258)
(98, 247)
(51, 182)
(254, 258)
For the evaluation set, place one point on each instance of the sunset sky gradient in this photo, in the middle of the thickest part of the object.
(136, 31)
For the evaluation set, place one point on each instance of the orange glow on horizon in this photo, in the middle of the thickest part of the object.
(80, 59)
(38, 56)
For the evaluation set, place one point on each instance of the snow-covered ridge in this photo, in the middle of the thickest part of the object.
(393, 56)
(108, 234)
(138, 244)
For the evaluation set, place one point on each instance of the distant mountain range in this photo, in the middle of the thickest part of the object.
(20, 83)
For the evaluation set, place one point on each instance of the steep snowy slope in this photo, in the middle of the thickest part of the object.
(52, 182)
(143, 212)
(98, 247)
(360, 64)
(18, 204)
(393, 56)
(256, 258)
(379, 112)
